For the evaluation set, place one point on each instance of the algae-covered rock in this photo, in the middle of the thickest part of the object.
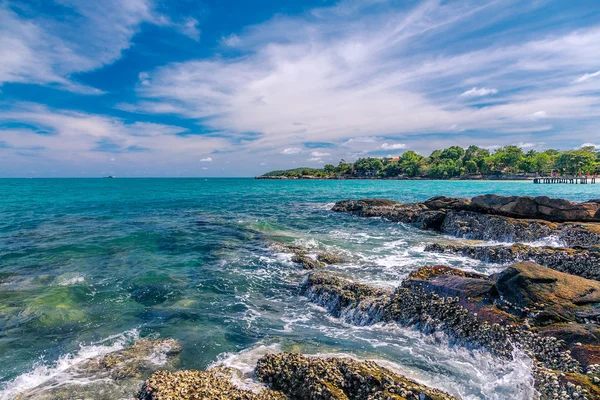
(302, 377)
(307, 262)
(153, 288)
(59, 306)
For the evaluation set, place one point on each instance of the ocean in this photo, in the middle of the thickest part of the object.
(88, 265)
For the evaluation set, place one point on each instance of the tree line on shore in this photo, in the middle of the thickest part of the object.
(456, 161)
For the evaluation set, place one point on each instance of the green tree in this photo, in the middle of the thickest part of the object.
(368, 166)
(508, 157)
(575, 161)
(411, 162)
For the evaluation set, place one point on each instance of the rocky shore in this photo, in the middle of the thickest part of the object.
(512, 219)
(549, 315)
(580, 262)
(292, 376)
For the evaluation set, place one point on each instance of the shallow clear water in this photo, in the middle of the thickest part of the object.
(83, 260)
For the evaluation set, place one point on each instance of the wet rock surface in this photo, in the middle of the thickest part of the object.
(492, 217)
(310, 258)
(541, 207)
(302, 377)
(534, 309)
(292, 376)
(115, 375)
(580, 262)
(214, 384)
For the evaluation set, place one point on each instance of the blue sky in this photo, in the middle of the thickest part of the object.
(237, 88)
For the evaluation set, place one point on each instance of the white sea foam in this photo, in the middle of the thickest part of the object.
(59, 370)
(68, 280)
(550, 241)
(322, 206)
(244, 362)
(469, 375)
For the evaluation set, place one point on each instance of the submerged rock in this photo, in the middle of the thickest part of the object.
(302, 377)
(580, 262)
(491, 217)
(310, 258)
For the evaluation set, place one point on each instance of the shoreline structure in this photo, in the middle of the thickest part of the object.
(548, 310)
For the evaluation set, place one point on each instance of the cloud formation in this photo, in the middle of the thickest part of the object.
(351, 80)
(393, 146)
(479, 92)
(349, 75)
(44, 51)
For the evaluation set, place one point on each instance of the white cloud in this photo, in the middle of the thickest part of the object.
(590, 145)
(232, 40)
(48, 51)
(479, 92)
(528, 145)
(207, 159)
(363, 139)
(190, 28)
(291, 150)
(539, 115)
(315, 159)
(585, 77)
(349, 76)
(393, 146)
(319, 154)
(74, 135)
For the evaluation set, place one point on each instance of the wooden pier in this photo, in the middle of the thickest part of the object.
(575, 180)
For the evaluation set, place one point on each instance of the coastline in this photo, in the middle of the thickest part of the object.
(400, 178)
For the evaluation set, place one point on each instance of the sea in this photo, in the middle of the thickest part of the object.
(89, 265)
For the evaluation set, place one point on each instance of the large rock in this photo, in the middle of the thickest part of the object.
(314, 378)
(548, 295)
(581, 262)
(491, 217)
(214, 384)
(541, 207)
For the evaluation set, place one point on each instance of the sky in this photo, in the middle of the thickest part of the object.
(149, 88)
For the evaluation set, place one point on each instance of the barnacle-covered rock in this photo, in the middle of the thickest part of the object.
(315, 378)
(580, 262)
(213, 384)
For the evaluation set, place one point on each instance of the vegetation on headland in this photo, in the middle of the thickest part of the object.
(456, 162)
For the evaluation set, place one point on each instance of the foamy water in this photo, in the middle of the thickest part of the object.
(83, 261)
(58, 371)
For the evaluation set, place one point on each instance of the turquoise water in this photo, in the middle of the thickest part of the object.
(82, 260)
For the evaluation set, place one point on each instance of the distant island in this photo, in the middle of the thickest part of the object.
(509, 162)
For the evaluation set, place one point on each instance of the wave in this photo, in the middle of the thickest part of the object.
(59, 370)
(469, 375)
